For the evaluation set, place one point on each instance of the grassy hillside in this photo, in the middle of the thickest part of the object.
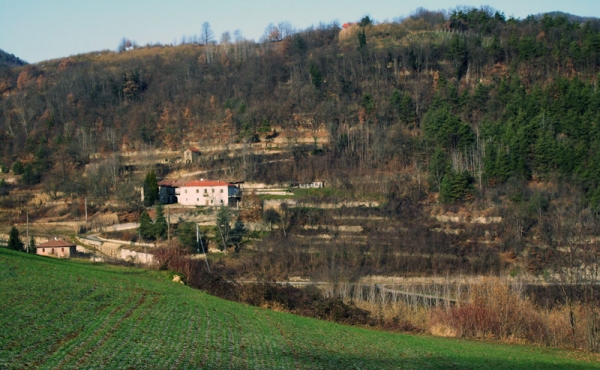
(66, 314)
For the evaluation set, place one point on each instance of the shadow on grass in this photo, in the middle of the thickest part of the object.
(431, 360)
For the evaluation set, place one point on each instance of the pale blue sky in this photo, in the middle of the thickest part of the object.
(37, 30)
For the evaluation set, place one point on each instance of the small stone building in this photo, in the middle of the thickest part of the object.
(191, 155)
(56, 248)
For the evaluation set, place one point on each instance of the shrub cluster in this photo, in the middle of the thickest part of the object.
(307, 302)
(495, 310)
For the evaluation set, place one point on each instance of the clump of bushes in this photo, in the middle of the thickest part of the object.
(308, 302)
(495, 310)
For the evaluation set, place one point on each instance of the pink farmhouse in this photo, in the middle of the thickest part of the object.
(208, 193)
(56, 248)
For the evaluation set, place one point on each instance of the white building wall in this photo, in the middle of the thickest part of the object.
(204, 195)
(63, 252)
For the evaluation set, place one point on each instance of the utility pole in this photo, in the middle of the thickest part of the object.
(169, 226)
(28, 231)
(199, 242)
(86, 210)
(197, 239)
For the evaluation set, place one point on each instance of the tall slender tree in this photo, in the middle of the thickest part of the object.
(14, 242)
(223, 228)
(207, 35)
(150, 189)
(160, 224)
(146, 228)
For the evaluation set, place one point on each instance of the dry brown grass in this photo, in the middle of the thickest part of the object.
(486, 308)
(442, 330)
(498, 310)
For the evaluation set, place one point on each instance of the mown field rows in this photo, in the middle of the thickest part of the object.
(67, 314)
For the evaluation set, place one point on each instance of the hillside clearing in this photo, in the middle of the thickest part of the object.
(65, 314)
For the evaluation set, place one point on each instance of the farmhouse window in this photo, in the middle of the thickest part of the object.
(221, 191)
(213, 190)
(185, 191)
(43, 250)
(197, 190)
(62, 249)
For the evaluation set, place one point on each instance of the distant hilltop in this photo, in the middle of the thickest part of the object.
(10, 60)
(570, 17)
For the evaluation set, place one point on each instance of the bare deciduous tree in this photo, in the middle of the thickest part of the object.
(285, 29)
(225, 37)
(576, 268)
(207, 35)
(272, 34)
(125, 44)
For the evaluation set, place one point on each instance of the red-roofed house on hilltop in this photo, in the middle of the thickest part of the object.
(208, 193)
(56, 248)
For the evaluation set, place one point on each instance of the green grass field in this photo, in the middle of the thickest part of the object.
(69, 314)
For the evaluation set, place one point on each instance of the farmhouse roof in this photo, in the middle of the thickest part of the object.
(171, 183)
(195, 150)
(55, 243)
(206, 183)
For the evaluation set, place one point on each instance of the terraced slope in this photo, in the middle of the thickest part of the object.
(68, 314)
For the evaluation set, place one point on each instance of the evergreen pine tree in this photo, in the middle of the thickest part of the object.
(315, 76)
(362, 39)
(489, 164)
(31, 245)
(160, 224)
(14, 242)
(150, 189)
(237, 234)
(544, 154)
(503, 167)
(437, 169)
(456, 186)
(18, 168)
(30, 175)
(186, 233)
(146, 226)
(223, 228)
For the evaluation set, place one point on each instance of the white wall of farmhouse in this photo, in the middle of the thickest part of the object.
(64, 252)
(204, 195)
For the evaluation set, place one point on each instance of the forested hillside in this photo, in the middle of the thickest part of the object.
(472, 99)
(449, 143)
(10, 60)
